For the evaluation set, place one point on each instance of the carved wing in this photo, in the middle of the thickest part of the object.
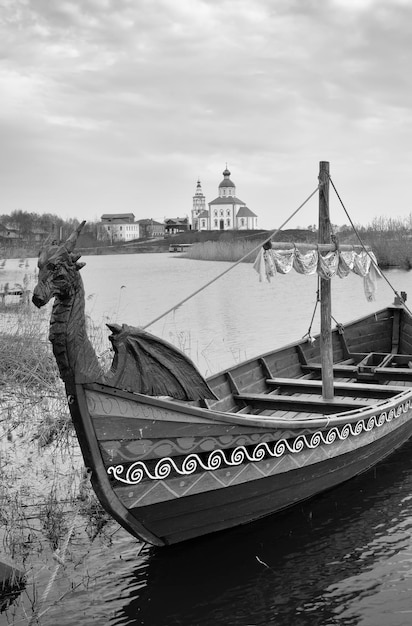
(147, 364)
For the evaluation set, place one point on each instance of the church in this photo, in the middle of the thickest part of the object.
(226, 212)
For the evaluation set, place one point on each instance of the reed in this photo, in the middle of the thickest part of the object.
(40, 461)
(223, 250)
(389, 238)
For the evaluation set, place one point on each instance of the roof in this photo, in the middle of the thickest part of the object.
(226, 182)
(226, 200)
(117, 216)
(244, 211)
(149, 221)
(176, 220)
(203, 214)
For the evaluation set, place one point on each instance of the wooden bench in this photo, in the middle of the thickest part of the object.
(293, 403)
(352, 371)
(307, 385)
(393, 373)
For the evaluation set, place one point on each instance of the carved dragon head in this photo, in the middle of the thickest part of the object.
(58, 266)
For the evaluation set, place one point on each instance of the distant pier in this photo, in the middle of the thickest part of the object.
(179, 247)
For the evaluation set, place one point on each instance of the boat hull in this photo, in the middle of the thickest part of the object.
(210, 512)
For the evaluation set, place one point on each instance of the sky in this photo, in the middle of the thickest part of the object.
(111, 106)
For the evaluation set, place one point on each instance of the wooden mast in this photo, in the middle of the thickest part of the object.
(325, 287)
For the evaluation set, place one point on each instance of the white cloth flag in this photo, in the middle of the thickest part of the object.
(270, 262)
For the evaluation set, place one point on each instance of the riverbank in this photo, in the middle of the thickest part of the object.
(144, 246)
(393, 248)
(45, 494)
(390, 252)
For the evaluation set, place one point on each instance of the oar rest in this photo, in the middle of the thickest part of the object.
(293, 403)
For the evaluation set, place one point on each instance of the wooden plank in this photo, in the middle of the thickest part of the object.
(339, 370)
(310, 404)
(393, 373)
(379, 373)
(182, 518)
(373, 390)
(396, 331)
(283, 362)
(405, 344)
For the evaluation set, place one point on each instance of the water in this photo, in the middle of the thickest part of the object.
(344, 558)
(235, 318)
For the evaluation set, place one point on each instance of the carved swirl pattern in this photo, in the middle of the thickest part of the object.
(135, 473)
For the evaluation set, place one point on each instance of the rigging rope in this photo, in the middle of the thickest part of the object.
(256, 249)
(367, 252)
(309, 333)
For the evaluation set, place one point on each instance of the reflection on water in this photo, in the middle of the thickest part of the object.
(345, 558)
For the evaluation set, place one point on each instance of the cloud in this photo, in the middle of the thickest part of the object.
(131, 94)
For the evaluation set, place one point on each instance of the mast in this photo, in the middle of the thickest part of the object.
(325, 287)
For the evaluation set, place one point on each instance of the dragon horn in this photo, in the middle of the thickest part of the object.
(71, 241)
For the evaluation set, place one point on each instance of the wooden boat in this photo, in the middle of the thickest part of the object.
(12, 581)
(173, 456)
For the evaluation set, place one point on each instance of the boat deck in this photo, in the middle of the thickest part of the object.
(290, 398)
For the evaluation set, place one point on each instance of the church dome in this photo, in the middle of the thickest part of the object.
(226, 182)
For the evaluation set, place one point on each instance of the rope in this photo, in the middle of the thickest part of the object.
(309, 334)
(367, 251)
(272, 234)
(59, 556)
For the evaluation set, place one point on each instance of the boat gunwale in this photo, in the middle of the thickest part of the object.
(267, 423)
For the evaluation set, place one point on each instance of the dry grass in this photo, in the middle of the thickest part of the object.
(26, 359)
(231, 251)
(41, 469)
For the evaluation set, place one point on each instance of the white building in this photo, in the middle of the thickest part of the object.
(226, 212)
(119, 227)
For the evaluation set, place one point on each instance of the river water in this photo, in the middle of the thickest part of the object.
(344, 558)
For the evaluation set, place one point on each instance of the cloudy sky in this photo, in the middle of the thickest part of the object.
(121, 105)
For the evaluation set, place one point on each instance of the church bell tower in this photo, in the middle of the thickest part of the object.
(199, 205)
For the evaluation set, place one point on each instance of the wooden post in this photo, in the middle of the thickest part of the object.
(325, 288)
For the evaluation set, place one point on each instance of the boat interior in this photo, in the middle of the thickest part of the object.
(372, 363)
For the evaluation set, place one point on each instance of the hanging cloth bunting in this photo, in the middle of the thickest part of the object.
(346, 261)
(370, 281)
(328, 264)
(270, 262)
(283, 260)
(261, 266)
(361, 264)
(306, 263)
